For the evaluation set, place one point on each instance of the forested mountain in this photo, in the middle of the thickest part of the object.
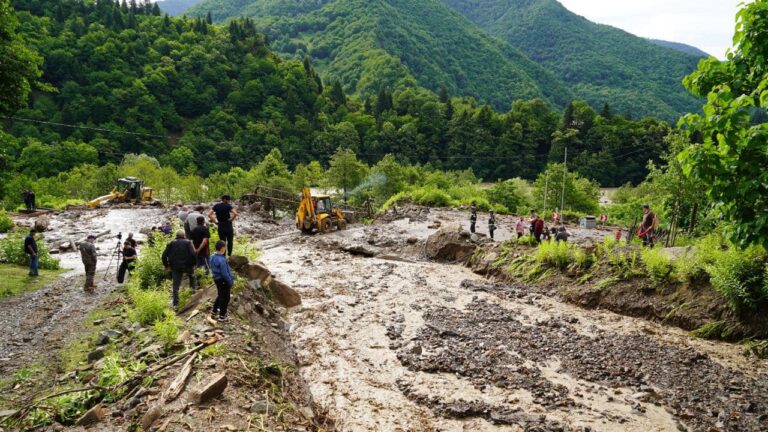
(205, 98)
(599, 63)
(688, 49)
(368, 44)
(176, 7)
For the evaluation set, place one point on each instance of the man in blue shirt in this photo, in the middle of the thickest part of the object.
(30, 247)
(222, 276)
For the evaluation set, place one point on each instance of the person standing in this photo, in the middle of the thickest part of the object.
(562, 235)
(33, 200)
(604, 219)
(129, 259)
(201, 237)
(222, 277)
(648, 226)
(90, 258)
(556, 217)
(223, 215)
(520, 228)
(132, 240)
(193, 216)
(491, 224)
(534, 216)
(30, 247)
(538, 228)
(472, 217)
(183, 214)
(179, 258)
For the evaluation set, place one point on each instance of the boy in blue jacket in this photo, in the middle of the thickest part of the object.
(222, 276)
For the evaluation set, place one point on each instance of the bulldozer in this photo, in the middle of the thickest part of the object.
(317, 214)
(126, 190)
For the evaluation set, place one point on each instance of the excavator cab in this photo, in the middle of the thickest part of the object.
(130, 188)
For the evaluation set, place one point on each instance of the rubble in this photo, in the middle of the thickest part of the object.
(212, 388)
(450, 244)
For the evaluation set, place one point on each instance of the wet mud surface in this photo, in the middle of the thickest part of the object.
(389, 341)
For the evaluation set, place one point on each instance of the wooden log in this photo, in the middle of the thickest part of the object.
(178, 384)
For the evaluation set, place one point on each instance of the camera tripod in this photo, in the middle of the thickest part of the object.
(117, 254)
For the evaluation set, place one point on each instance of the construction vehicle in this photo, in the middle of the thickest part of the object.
(317, 214)
(126, 190)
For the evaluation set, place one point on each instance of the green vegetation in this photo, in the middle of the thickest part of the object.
(12, 251)
(713, 330)
(658, 265)
(167, 329)
(20, 67)
(728, 153)
(368, 45)
(16, 281)
(598, 62)
(150, 304)
(5, 222)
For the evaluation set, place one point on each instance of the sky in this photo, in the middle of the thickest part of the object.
(705, 24)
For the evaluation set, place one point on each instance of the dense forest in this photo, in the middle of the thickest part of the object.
(366, 44)
(204, 98)
(599, 63)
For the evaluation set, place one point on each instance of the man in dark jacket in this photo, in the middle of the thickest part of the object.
(30, 247)
(538, 228)
(179, 258)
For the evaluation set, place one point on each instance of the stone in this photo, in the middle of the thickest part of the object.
(238, 262)
(412, 240)
(260, 407)
(256, 271)
(450, 243)
(284, 294)
(42, 223)
(97, 354)
(212, 389)
(151, 416)
(152, 349)
(102, 339)
(92, 416)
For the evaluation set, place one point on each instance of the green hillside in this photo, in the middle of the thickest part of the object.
(598, 62)
(371, 43)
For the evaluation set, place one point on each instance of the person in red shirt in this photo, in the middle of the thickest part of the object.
(556, 217)
(538, 228)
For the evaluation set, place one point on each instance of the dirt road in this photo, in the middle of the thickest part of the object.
(401, 344)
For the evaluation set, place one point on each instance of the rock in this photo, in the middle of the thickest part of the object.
(450, 243)
(98, 322)
(8, 413)
(42, 223)
(212, 389)
(359, 251)
(412, 240)
(114, 334)
(102, 339)
(151, 416)
(256, 271)
(184, 337)
(238, 262)
(260, 407)
(92, 416)
(307, 412)
(284, 294)
(152, 349)
(97, 354)
(65, 246)
(416, 349)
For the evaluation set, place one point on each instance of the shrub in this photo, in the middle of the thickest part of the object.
(150, 271)
(167, 329)
(244, 247)
(688, 268)
(657, 264)
(713, 330)
(5, 222)
(624, 262)
(739, 276)
(555, 254)
(149, 305)
(12, 252)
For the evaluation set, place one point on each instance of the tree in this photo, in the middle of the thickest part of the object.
(729, 153)
(19, 67)
(346, 171)
(581, 194)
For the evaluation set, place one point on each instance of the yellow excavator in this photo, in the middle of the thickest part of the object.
(317, 214)
(126, 190)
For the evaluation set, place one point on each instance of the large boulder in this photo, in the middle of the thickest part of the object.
(284, 294)
(42, 223)
(450, 243)
(238, 262)
(256, 271)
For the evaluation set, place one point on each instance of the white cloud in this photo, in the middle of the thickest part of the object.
(705, 24)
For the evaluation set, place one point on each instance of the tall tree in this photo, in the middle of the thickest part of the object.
(19, 67)
(729, 154)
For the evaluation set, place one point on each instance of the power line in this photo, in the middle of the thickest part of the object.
(21, 119)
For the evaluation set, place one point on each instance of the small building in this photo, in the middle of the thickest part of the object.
(588, 222)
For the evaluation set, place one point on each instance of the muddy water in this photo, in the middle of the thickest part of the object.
(401, 346)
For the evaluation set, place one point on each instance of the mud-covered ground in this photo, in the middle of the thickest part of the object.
(387, 340)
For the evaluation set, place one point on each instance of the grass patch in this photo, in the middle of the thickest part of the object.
(149, 305)
(606, 283)
(167, 329)
(16, 281)
(713, 330)
(657, 265)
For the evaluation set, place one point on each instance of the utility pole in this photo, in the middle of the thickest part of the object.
(565, 171)
(546, 190)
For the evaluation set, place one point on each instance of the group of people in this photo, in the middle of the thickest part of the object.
(539, 231)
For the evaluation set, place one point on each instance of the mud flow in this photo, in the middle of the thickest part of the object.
(389, 341)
